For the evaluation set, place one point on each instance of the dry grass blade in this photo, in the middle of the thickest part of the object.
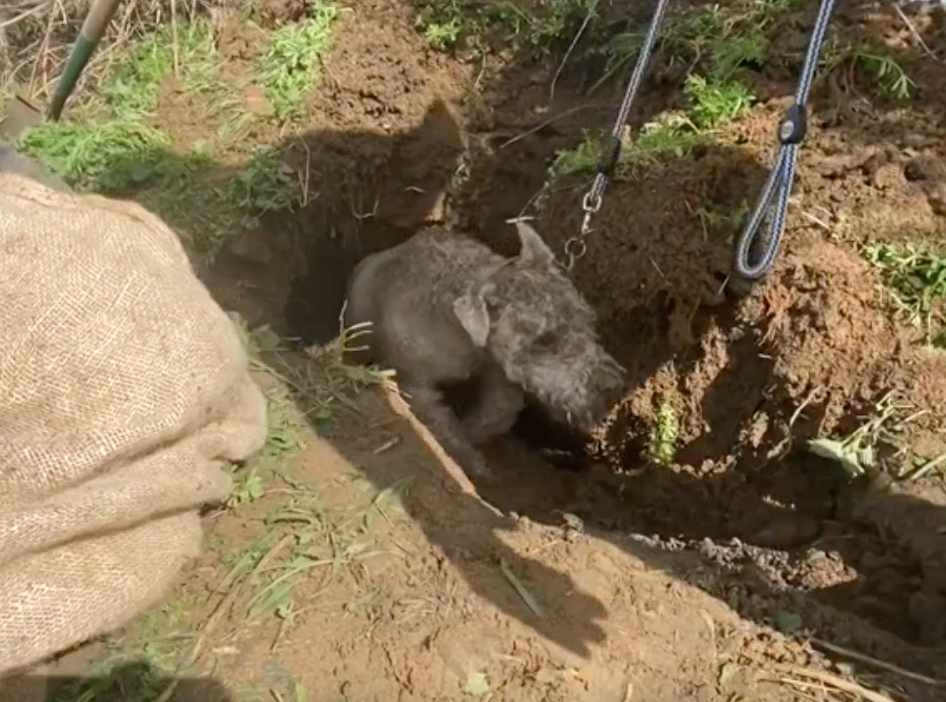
(835, 682)
(25, 14)
(37, 36)
(926, 468)
(870, 660)
(521, 589)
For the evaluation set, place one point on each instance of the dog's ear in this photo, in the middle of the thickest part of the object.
(472, 312)
(535, 252)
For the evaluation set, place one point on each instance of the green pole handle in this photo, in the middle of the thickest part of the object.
(93, 28)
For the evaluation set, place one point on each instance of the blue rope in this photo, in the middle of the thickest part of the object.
(773, 201)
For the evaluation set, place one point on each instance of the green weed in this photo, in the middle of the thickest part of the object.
(690, 37)
(876, 65)
(724, 224)
(442, 35)
(248, 487)
(673, 135)
(583, 158)
(133, 88)
(113, 156)
(857, 453)
(891, 77)
(713, 102)
(915, 283)
(542, 28)
(662, 447)
(266, 184)
(289, 68)
(714, 46)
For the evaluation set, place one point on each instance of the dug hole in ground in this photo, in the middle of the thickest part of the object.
(700, 549)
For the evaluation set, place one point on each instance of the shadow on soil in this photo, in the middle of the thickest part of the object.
(138, 681)
(729, 531)
(721, 529)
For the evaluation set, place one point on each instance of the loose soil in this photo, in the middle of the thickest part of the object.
(653, 583)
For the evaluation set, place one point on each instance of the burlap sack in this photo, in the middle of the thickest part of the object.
(123, 388)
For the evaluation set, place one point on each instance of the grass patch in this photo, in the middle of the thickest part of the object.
(189, 53)
(114, 148)
(108, 157)
(716, 45)
(289, 68)
(190, 191)
(583, 158)
(673, 135)
(486, 26)
(915, 285)
(714, 102)
(266, 184)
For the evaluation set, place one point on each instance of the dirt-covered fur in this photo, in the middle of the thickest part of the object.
(446, 309)
(11, 161)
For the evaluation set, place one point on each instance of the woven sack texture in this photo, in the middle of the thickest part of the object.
(124, 388)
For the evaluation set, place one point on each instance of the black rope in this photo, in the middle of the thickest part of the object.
(575, 247)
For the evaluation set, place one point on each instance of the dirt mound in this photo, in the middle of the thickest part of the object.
(748, 381)
(811, 354)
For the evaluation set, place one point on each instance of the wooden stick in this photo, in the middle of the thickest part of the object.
(869, 660)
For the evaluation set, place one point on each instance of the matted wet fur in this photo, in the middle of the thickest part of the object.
(445, 309)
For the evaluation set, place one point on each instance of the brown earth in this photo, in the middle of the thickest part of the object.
(809, 354)
(655, 584)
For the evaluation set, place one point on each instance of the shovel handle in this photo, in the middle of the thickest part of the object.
(93, 28)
